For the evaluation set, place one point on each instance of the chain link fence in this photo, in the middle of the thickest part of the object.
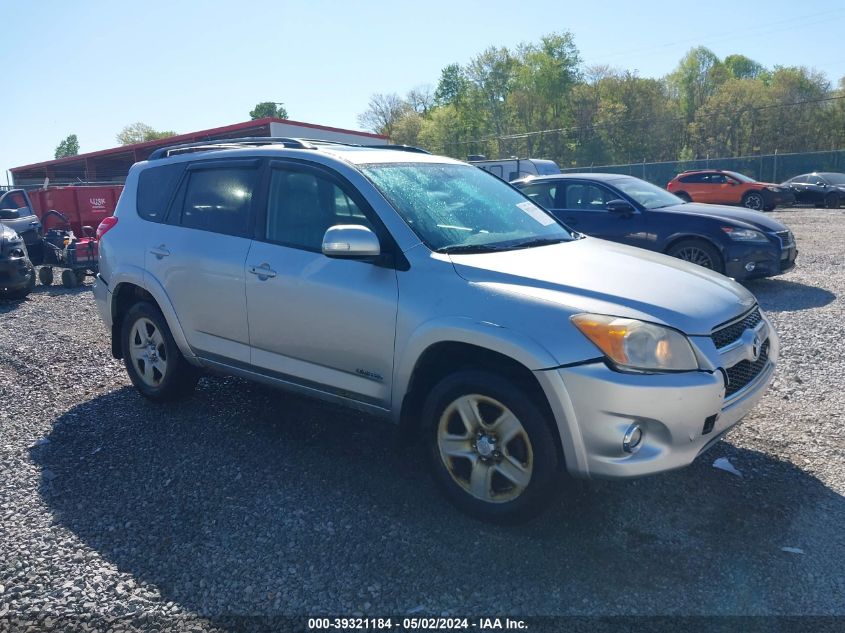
(764, 167)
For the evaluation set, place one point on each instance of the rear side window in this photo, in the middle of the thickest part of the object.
(155, 186)
(693, 178)
(219, 200)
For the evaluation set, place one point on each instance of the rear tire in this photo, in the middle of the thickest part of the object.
(698, 252)
(832, 201)
(490, 448)
(153, 361)
(683, 195)
(754, 201)
(45, 276)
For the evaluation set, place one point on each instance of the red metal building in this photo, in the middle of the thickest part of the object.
(112, 165)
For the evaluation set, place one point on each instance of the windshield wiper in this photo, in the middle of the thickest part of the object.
(472, 248)
(540, 241)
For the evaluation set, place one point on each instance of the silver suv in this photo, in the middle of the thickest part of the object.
(428, 291)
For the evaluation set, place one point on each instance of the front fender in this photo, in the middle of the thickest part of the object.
(516, 345)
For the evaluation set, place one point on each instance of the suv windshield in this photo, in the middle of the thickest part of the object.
(462, 208)
(646, 194)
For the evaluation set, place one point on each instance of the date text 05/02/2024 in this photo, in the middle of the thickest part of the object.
(416, 623)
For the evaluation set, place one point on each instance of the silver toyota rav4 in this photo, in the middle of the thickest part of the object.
(428, 291)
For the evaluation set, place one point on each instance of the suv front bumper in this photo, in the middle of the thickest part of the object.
(595, 406)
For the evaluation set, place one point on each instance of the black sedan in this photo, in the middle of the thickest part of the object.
(821, 189)
(740, 244)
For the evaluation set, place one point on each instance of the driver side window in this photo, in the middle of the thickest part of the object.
(303, 205)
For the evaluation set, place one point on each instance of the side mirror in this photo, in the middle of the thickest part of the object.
(620, 206)
(8, 214)
(350, 241)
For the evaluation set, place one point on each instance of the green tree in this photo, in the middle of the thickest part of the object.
(68, 147)
(452, 87)
(697, 76)
(742, 67)
(141, 133)
(268, 109)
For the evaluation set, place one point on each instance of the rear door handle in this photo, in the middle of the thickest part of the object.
(263, 271)
(160, 251)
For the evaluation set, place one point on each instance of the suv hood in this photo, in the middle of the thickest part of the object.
(592, 275)
(754, 219)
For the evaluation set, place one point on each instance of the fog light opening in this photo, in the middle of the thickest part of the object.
(633, 438)
(750, 266)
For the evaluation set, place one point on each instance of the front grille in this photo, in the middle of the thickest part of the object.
(786, 238)
(730, 333)
(745, 371)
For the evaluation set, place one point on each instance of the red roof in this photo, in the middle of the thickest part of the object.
(192, 136)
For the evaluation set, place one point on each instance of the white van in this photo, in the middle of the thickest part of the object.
(510, 169)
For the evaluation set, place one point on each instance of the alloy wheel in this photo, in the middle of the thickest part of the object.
(696, 256)
(148, 352)
(754, 201)
(485, 448)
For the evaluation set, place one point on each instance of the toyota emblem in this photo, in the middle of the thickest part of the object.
(755, 347)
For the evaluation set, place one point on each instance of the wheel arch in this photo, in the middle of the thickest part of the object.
(125, 295)
(443, 357)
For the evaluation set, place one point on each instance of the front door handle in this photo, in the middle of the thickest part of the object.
(160, 251)
(263, 271)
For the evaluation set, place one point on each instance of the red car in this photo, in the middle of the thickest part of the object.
(715, 186)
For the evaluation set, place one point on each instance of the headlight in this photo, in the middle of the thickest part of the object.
(775, 189)
(633, 344)
(744, 235)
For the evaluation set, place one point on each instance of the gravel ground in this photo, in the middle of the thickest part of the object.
(246, 501)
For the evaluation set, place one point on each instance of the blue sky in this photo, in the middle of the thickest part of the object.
(91, 68)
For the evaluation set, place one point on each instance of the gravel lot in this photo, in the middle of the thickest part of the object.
(246, 501)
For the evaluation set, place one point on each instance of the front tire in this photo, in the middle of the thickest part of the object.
(490, 447)
(753, 201)
(698, 252)
(153, 361)
(832, 201)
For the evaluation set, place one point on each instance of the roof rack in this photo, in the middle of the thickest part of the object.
(229, 143)
(398, 148)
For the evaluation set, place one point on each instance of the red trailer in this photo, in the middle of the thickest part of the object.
(82, 205)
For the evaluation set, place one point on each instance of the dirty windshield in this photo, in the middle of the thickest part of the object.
(460, 208)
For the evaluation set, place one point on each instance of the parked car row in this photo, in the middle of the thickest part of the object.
(424, 290)
(716, 186)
